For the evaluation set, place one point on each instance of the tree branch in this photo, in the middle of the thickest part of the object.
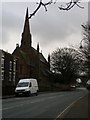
(79, 6)
(70, 5)
(38, 7)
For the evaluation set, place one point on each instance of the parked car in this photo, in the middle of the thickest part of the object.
(77, 85)
(88, 84)
(26, 87)
(72, 86)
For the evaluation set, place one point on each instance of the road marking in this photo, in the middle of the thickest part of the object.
(67, 109)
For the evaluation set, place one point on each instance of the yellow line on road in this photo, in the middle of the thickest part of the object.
(61, 115)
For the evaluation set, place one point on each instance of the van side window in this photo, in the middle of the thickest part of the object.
(30, 84)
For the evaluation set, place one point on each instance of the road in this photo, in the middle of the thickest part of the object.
(47, 105)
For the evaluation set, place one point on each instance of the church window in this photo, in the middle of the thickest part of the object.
(2, 62)
(14, 66)
(2, 75)
(10, 76)
(10, 65)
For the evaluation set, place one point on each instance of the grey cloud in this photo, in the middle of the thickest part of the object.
(89, 11)
(47, 27)
(54, 25)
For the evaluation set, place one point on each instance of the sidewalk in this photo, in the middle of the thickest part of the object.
(80, 109)
(10, 96)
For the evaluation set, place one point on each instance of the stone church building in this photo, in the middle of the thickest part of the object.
(31, 63)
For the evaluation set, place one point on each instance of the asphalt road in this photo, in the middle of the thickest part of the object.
(47, 105)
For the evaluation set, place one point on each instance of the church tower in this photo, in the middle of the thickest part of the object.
(26, 41)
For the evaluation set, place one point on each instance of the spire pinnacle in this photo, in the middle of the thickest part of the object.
(27, 14)
(26, 36)
(26, 25)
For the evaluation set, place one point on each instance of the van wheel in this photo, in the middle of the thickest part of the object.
(29, 93)
(36, 93)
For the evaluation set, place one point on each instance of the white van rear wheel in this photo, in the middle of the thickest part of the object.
(36, 93)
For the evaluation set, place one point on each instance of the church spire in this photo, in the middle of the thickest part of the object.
(26, 36)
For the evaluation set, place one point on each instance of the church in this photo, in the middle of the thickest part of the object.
(31, 62)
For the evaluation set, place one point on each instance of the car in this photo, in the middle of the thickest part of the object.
(88, 84)
(73, 87)
(77, 85)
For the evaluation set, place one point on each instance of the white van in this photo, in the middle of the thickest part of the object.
(26, 87)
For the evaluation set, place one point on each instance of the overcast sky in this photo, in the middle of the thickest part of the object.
(52, 29)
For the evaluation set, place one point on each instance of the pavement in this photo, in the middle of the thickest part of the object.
(78, 109)
(12, 96)
(6, 97)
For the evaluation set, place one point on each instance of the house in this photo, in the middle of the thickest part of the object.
(8, 72)
(32, 63)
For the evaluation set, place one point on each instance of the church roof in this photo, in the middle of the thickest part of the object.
(42, 58)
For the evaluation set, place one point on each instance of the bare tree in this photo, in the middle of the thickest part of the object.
(68, 62)
(68, 6)
(85, 44)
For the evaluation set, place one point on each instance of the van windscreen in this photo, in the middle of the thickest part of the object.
(23, 84)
